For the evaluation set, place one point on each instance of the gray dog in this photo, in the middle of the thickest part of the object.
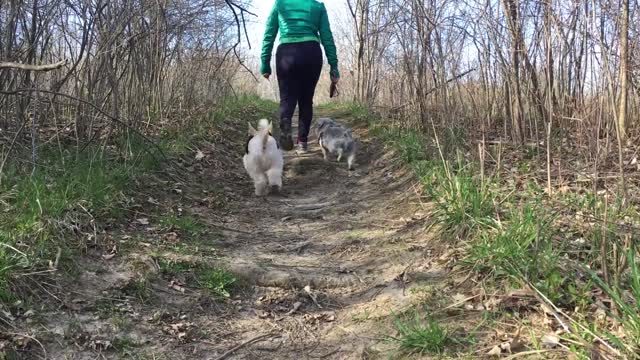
(335, 138)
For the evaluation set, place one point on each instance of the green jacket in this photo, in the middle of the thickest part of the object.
(298, 21)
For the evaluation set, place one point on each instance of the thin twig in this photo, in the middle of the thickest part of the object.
(253, 340)
(436, 87)
(525, 353)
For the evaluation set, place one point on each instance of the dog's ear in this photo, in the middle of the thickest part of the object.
(252, 131)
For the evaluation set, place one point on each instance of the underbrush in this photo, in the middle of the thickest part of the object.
(511, 234)
(221, 120)
(50, 216)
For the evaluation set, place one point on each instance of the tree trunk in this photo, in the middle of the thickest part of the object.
(624, 64)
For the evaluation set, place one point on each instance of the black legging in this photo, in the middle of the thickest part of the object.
(298, 67)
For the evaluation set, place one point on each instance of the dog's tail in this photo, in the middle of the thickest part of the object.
(264, 127)
(263, 124)
(265, 138)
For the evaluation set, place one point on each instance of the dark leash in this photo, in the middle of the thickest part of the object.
(333, 90)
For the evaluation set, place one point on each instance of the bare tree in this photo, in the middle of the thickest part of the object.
(144, 63)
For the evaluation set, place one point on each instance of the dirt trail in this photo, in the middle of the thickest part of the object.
(324, 265)
(356, 240)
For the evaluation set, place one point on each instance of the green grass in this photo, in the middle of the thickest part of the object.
(218, 282)
(463, 203)
(409, 143)
(68, 191)
(139, 289)
(242, 109)
(626, 300)
(187, 225)
(516, 246)
(181, 138)
(124, 346)
(418, 336)
(512, 236)
(173, 268)
(522, 247)
(72, 191)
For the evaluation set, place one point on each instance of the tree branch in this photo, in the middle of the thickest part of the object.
(28, 67)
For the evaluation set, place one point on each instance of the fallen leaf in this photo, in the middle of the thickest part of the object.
(171, 236)
(108, 256)
(199, 155)
(330, 317)
(492, 303)
(495, 351)
(175, 286)
(153, 201)
(296, 306)
(550, 340)
(8, 315)
(460, 298)
(143, 221)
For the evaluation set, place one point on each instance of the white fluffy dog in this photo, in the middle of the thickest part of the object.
(263, 159)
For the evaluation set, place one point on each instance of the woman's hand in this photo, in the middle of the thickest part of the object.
(266, 76)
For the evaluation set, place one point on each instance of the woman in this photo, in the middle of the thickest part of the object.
(303, 24)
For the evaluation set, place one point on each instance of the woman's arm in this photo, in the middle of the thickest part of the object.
(327, 42)
(269, 38)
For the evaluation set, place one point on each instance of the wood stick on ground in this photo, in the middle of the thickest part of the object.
(244, 344)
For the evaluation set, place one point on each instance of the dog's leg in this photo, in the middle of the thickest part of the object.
(274, 176)
(350, 159)
(339, 154)
(324, 151)
(261, 185)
